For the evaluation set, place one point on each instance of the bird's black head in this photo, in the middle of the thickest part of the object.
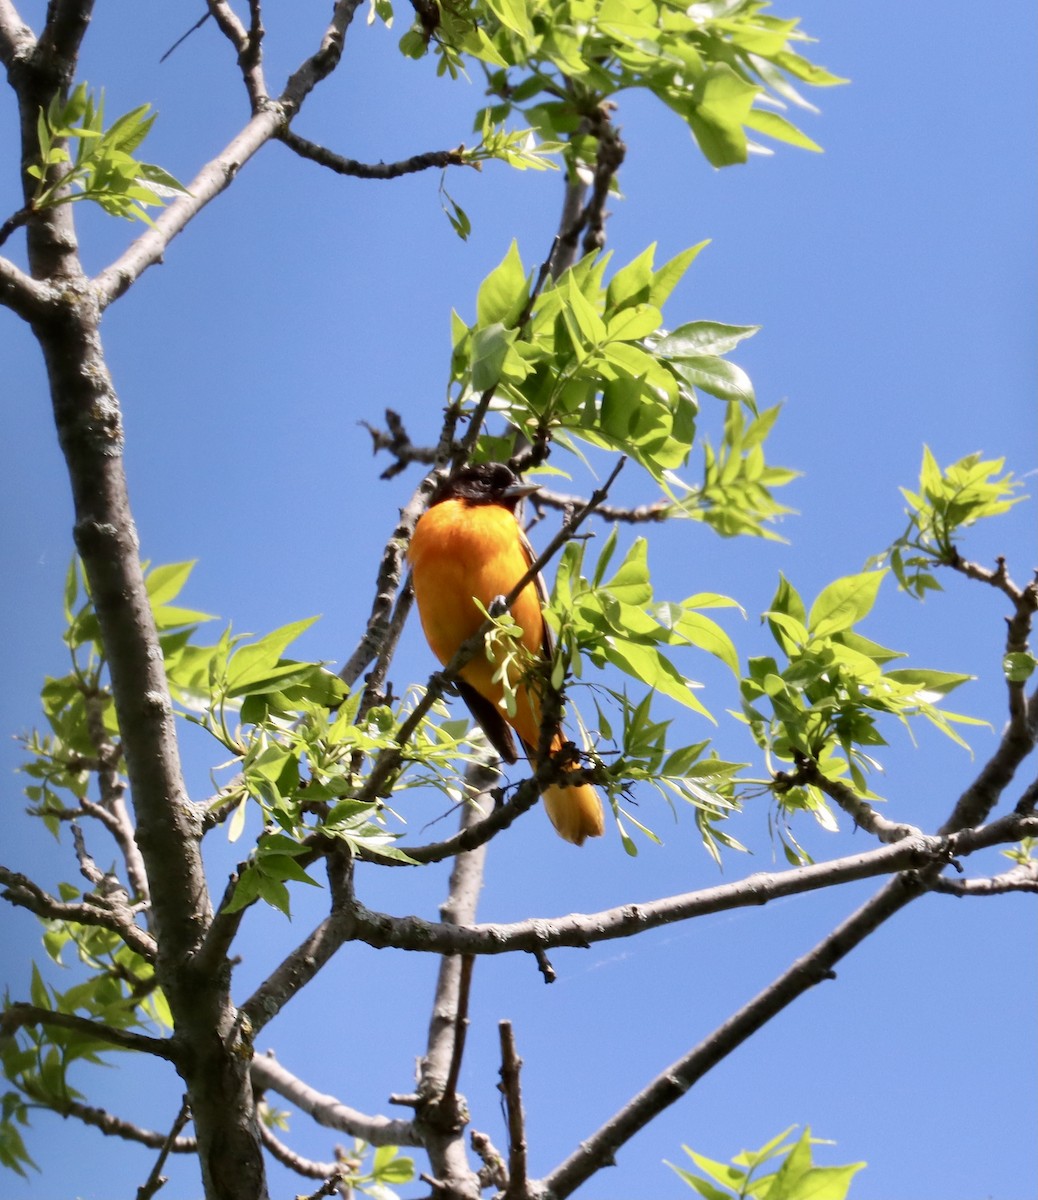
(487, 483)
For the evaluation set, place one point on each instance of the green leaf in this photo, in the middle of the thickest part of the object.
(722, 101)
(490, 346)
(718, 377)
(1018, 666)
(698, 338)
(503, 295)
(843, 603)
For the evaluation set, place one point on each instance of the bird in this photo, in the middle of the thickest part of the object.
(468, 546)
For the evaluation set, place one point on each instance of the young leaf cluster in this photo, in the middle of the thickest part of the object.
(103, 168)
(616, 621)
(727, 68)
(948, 501)
(819, 700)
(593, 364)
(782, 1169)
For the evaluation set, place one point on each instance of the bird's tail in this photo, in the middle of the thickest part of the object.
(574, 810)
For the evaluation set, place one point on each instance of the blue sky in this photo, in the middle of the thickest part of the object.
(893, 277)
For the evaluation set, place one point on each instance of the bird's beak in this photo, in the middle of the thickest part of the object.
(518, 490)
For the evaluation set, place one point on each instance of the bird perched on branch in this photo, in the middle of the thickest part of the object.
(468, 546)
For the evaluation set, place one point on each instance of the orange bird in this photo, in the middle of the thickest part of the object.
(468, 546)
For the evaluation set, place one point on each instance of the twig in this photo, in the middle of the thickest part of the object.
(184, 36)
(358, 170)
(673, 1082)
(855, 806)
(156, 1179)
(494, 1172)
(15, 221)
(112, 1126)
(511, 1089)
(1022, 878)
(654, 512)
(331, 1173)
(398, 443)
(23, 892)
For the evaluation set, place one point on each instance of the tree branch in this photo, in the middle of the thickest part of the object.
(155, 1178)
(582, 930)
(855, 806)
(440, 1111)
(307, 1167)
(673, 1082)
(358, 170)
(106, 914)
(269, 1075)
(1022, 878)
(24, 296)
(511, 1089)
(112, 1126)
(654, 512)
(17, 40)
(18, 1014)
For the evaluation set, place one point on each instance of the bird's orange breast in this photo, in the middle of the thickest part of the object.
(462, 551)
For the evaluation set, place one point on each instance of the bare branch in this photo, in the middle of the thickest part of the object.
(269, 1075)
(358, 170)
(22, 891)
(511, 1089)
(58, 46)
(582, 930)
(155, 1178)
(1022, 878)
(654, 512)
(307, 1167)
(23, 295)
(17, 40)
(673, 1082)
(398, 443)
(112, 1126)
(440, 1112)
(247, 42)
(299, 967)
(1017, 742)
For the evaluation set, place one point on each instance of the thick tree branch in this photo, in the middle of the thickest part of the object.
(673, 1082)
(23, 295)
(582, 930)
(511, 1089)
(16, 38)
(269, 1075)
(58, 46)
